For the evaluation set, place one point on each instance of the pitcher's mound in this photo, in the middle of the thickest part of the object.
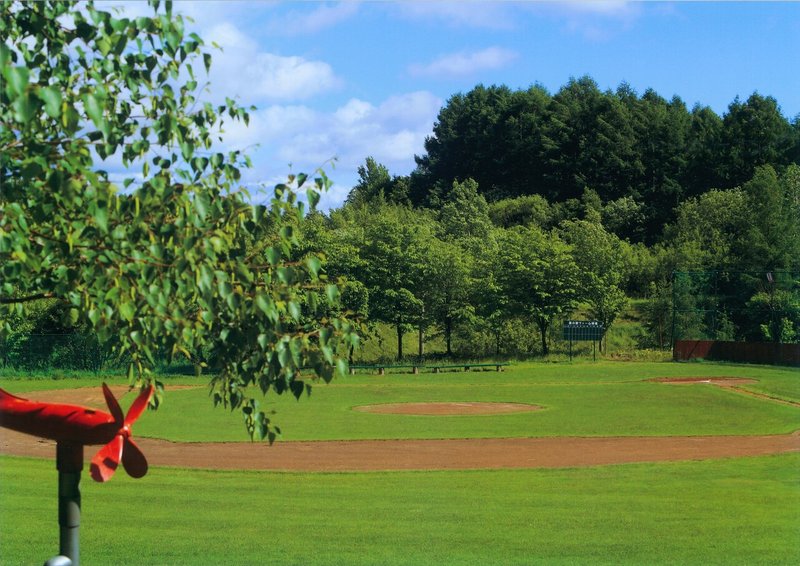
(445, 409)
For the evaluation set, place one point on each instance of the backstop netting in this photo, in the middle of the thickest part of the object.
(736, 306)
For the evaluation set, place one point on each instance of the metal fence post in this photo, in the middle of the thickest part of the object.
(69, 462)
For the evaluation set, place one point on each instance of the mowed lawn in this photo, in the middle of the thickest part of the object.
(732, 511)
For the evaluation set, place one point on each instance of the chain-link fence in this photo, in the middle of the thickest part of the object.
(737, 306)
(46, 351)
(77, 351)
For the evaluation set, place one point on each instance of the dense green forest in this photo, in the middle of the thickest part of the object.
(530, 208)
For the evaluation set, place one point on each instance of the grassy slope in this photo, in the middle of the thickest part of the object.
(738, 511)
(623, 340)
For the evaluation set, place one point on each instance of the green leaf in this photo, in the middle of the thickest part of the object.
(313, 264)
(285, 357)
(325, 334)
(94, 316)
(202, 204)
(101, 216)
(52, 101)
(103, 45)
(24, 108)
(126, 310)
(70, 120)
(94, 109)
(17, 80)
(137, 337)
(297, 388)
(294, 310)
(273, 255)
(265, 303)
(313, 198)
(206, 278)
(5, 55)
(173, 39)
(224, 288)
(332, 291)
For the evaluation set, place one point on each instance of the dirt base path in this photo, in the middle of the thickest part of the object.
(460, 454)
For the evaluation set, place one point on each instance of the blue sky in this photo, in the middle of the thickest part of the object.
(350, 80)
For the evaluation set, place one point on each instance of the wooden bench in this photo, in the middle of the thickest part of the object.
(383, 367)
(468, 367)
(415, 368)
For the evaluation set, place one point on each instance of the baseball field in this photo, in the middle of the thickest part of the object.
(583, 463)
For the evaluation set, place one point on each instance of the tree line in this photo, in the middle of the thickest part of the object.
(499, 276)
(526, 205)
(640, 155)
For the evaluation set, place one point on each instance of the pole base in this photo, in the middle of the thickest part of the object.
(58, 561)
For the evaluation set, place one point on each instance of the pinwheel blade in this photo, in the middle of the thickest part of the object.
(113, 405)
(133, 460)
(139, 405)
(106, 461)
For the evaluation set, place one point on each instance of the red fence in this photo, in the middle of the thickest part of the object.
(749, 352)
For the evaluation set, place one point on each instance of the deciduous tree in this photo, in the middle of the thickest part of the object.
(181, 260)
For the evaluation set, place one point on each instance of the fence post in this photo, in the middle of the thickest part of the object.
(672, 336)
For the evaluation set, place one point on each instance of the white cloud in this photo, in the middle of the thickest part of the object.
(327, 16)
(324, 16)
(486, 15)
(130, 9)
(288, 78)
(354, 111)
(604, 7)
(241, 69)
(392, 132)
(596, 20)
(464, 63)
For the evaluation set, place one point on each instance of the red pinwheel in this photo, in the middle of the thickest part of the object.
(84, 426)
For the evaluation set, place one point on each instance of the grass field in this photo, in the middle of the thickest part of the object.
(732, 511)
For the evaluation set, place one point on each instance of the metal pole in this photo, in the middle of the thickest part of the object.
(674, 281)
(69, 462)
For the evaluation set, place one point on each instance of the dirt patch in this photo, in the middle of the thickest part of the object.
(91, 397)
(461, 454)
(719, 381)
(731, 383)
(447, 409)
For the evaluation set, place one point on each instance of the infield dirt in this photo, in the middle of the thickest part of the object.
(445, 454)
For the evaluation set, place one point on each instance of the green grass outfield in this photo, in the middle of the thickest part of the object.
(736, 511)
(583, 399)
(731, 511)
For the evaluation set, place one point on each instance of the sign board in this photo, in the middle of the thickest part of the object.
(583, 330)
